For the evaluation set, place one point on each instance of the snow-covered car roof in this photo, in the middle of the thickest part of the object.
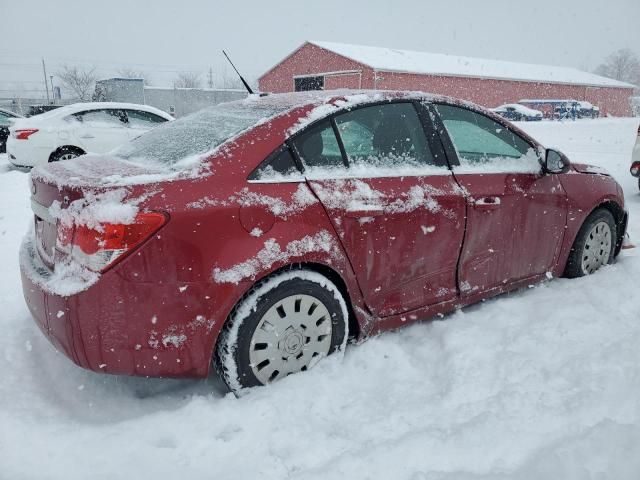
(83, 107)
(519, 108)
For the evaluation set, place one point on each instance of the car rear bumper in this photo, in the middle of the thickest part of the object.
(23, 154)
(118, 327)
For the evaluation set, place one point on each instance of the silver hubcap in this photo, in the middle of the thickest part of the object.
(291, 337)
(597, 248)
(68, 156)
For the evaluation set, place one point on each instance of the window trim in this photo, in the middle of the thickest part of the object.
(279, 149)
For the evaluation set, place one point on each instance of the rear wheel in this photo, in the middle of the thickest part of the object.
(284, 325)
(594, 246)
(65, 153)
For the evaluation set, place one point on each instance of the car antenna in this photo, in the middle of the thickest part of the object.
(244, 82)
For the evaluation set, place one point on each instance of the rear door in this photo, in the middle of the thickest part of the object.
(515, 214)
(392, 200)
(99, 131)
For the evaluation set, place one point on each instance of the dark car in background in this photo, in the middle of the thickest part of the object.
(5, 120)
(518, 113)
(587, 110)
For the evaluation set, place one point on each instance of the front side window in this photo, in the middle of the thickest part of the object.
(139, 118)
(484, 144)
(384, 136)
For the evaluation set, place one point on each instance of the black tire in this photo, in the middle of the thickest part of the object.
(575, 267)
(65, 153)
(232, 353)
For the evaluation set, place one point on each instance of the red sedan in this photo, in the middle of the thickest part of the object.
(259, 235)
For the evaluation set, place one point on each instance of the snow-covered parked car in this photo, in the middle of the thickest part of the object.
(587, 110)
(74, 130)
(518, 113)
(262, 233)
(635, 159)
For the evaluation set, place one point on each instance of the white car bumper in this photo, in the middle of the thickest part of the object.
(22, 153)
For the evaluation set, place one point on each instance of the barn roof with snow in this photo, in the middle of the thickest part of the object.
(408, 61)
(329, 66)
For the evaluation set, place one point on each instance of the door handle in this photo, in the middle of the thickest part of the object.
(487, 202)
(87, 135)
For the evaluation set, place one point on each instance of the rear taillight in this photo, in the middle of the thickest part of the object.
(635, 169)
(24, 133)
(99, 248)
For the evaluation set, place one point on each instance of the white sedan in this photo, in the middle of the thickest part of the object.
(74, 130)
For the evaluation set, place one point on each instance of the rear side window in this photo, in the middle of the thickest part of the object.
(388, 135)
(277, 165)
(106, 117)
(139, 118)
(482, 142)
(318, 147)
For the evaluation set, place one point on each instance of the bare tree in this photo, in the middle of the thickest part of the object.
(623, 65)
(79, 80)
(127, 72)
(187, 80)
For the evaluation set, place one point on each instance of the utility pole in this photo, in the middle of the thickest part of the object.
(210, 77)
(53, 95)
(46, 84)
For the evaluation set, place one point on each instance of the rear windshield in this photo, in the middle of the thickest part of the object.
(194, 134)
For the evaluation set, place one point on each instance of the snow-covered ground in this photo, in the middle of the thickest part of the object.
(542, 383)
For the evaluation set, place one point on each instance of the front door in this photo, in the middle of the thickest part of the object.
(515, 214)
(394, 204)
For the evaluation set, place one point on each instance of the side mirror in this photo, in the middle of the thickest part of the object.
(556, 162)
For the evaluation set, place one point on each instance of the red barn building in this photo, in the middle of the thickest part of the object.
(326, 65)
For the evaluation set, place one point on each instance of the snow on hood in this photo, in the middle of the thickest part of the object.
(584, 168)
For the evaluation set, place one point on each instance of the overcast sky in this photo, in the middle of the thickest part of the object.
(164, 37)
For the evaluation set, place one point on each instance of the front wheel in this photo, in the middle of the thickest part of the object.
(284, 325)
(594, 246)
